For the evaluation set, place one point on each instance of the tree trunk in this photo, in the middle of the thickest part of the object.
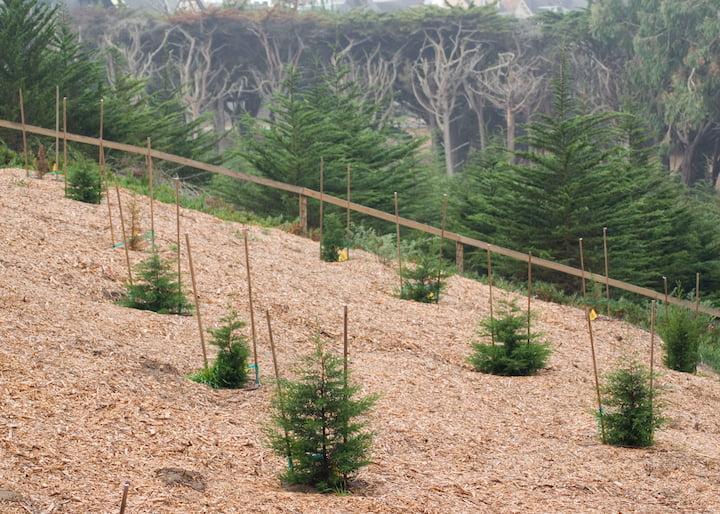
(687, 171)
(510, 120)
(447, 143)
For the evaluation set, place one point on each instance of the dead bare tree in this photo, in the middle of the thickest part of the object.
(437, 79)
(375, 75)
(198, 73)
(129, 53)
(511, 85)
(279, 61)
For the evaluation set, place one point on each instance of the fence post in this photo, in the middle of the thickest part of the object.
(303, 207)
(459, 257)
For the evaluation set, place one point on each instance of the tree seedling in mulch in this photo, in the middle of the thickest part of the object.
(334, 239)
(41, 164)
(682, 332)
(230, 368)
(317, 424)
(514, 351)
(631, 410)
(83, 182)
(135, 238)
(425, 280)
(156, 288)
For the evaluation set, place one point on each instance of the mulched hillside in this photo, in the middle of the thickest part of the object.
(93, 394)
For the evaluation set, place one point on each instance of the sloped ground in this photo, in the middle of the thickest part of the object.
(93, 394)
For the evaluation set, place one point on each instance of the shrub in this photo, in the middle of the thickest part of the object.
(384, 247)
(630, 413)
(681, 331)
(230, 369)
(157, 288)
(514, 353)
(83, 182)
(333, 238)
(316, 425)
(425, 280)
(7, 156)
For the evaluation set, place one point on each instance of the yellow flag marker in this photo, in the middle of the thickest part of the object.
(342, 255)
(593, 315)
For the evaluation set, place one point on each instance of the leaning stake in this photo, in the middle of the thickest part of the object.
(177, 239)
(443, 217)
(65, 143)
(252, 311)
(397, 230)
(529, 294)
(197, 301)
(666, 295)
(490, 284)
(697, 293)
(652, 347)
(607, 267)
(123, 503)
(103, 176)
(125, 243)
(347, 227)
(24, 134)
(151, 186)
(279, 388)
(322, 201)
(582, 268)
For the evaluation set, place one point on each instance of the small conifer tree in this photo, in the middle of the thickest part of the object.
(681, 332)
(425, 280)
(157, 288)
(230, 369)
(316, 426)
(630, 411)
(83, 183)
(514, 352)
(42, 164)
(333, 238)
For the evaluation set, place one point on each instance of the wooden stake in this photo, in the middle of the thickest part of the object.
(57, 128)
(697, 293)
(459, 257)
(347, 228)
(65, 143)
(197, 301)
(177, 238)
(279, 387)
(125, 243)
(123, 503)
(345, 345)
(443, 218)
(594, 363)
(607, 267)
(652, 347)
(302, 207)
(322, 201)
(252, 311)
(151, 190)
(666, 295)
(103, 176)
(24, 135)
(490, 284)
(397, 230)
(582, 268)
(529, 294)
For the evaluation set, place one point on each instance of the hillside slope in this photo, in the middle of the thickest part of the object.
(93, 394)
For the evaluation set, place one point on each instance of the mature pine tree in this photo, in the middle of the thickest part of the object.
(317, 426)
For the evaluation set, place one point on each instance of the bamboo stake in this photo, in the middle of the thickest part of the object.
(279, 388)
(151, 190)
(397, 230)
(65, 143)
(582, 268)
(57, 127)
(103, 176)
(197, 301)
(490, 284)
(607, 279)
(666, 295)
(123, 503)
(347, 228)
(529, 294)
(125, 243)
(652, 347)
(345, 345)
(177, 239)
(322, 201)
(697, 293)
(592, 345)
(443, 217)
(252, 311)
(24, 134)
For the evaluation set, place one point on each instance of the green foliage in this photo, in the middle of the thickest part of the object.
(155, 288)
(316, 424)
(230, 368)
(514, 353)
(630, 411)
(424, 280)
(710, 348)
(334, 238)
(83, 182)
(383, 246)
(681, 331)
